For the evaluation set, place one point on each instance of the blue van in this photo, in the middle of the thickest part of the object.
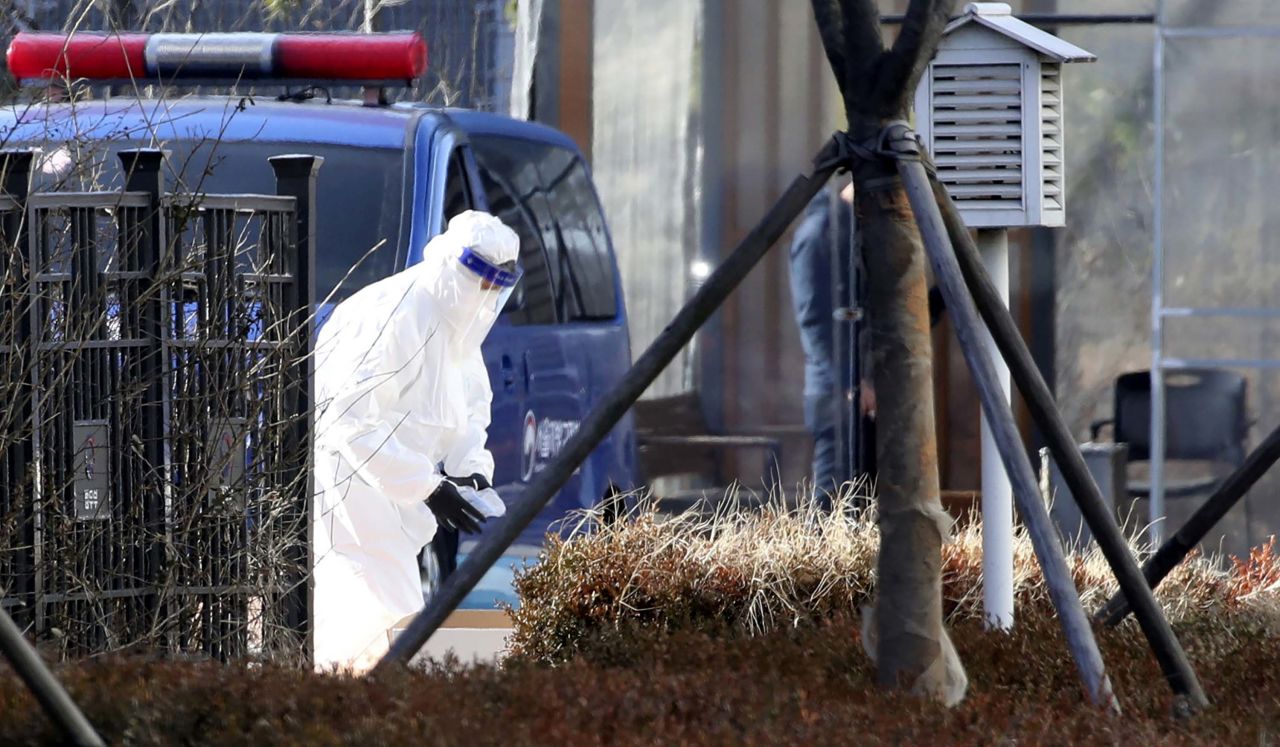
(392, 177)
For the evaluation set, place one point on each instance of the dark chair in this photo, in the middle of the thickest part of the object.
(674, 439)
(1205, 421)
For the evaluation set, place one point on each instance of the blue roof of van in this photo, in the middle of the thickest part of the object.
(232, 118)
(486, 123)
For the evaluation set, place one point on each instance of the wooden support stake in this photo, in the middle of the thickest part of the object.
(969, 331)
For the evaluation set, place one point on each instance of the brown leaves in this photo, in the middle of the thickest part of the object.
(644, 686)
(1258, 572)
(741, 629)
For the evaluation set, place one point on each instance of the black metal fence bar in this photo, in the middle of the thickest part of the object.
(17, 521)
(296, 178)
(97, 532)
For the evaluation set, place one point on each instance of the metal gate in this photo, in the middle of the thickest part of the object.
(160, 452)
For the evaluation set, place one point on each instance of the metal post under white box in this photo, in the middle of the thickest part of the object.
(990, 110)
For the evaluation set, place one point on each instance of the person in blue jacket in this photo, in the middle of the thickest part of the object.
(821, 266)
(824, 269)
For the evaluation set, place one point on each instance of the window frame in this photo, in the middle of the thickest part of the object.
(458, 156)
(446, 142)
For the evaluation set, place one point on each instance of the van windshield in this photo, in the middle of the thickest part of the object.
(362, 220)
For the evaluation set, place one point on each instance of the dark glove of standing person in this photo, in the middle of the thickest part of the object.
(453, 511)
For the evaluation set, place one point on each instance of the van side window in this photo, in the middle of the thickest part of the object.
(536, 291)
(457, 197)
(581, 232)
(514, 163)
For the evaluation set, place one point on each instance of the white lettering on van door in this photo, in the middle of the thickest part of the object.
(541, 441)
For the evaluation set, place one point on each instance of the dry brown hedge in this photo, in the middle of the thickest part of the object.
(806, 686)
(614, 647)
(782, 569)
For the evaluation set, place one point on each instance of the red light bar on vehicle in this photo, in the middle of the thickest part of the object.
(367, 58)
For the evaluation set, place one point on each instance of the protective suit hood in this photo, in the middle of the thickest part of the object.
(471, 269)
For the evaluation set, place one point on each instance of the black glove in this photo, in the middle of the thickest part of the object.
(453, 510)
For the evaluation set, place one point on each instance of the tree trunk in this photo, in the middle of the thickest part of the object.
(911, 643)
(904, 632)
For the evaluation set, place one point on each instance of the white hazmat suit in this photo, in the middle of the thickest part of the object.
(401, 390)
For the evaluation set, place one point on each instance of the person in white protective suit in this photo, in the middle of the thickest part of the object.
(402, 408)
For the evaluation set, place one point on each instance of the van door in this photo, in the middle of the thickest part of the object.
(453, 191)
(529, 314)
(595, 331)
(549, 370)
(519, 371)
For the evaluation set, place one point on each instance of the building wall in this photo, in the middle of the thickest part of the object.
(770, 103)
(645, 159)
(703, 113)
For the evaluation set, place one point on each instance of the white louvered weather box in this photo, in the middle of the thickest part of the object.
(990, 111)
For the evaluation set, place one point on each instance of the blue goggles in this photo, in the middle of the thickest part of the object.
(504, 275)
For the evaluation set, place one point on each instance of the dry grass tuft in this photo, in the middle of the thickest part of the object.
(782, 568)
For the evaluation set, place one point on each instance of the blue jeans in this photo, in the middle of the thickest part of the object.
(830, 462)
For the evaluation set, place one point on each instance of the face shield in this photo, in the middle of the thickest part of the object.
(478, 291)
(497, 280)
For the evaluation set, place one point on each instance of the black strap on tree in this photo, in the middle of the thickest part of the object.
(844, 153)
(844, 150)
